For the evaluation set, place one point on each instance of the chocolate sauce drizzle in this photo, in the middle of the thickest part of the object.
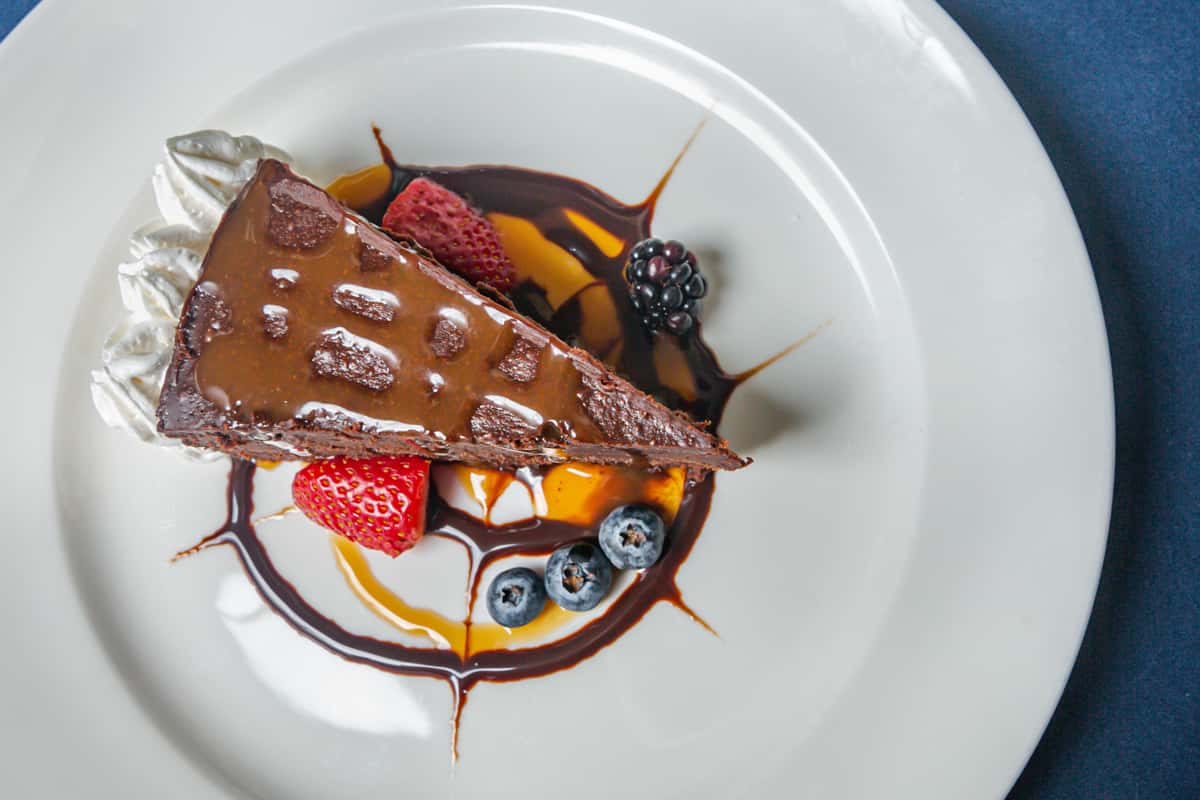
(541, 198)
(485, 545)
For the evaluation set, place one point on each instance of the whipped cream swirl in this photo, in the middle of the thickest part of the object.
(196, 181)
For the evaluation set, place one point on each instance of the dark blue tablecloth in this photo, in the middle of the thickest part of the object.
(1113, 89)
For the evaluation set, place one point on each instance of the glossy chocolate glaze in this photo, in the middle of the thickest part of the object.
(541, 198)
(308, 324)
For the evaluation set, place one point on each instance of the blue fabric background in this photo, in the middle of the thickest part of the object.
(1113, 89)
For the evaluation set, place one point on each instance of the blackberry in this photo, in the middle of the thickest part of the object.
(665, 287)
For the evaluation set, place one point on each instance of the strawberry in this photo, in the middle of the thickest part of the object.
(457, 235)
(377, 502)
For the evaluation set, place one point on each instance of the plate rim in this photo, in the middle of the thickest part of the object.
(40, 17)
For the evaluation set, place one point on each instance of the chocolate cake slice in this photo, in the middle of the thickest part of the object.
(310, 333)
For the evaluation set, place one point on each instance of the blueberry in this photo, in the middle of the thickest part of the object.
(516, 596)
(578, 576)
(679, 323)
(632, 537)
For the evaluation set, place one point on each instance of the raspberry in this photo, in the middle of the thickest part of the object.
(458, 235)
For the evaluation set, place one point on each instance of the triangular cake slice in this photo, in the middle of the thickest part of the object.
(310, 333)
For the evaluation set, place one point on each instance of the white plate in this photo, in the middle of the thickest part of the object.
(900, 582)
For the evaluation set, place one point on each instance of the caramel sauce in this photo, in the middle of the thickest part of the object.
(362, 188)
(484, 485)
(607, 243)
(491, 636)
(461, 636)
(563, 278)
(575, 492)
(390, 607)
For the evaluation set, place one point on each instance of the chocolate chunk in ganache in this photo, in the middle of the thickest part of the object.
(341, 354)
(447, 338)
(209, 316)
(302, 216)
(493, 422)
(378, 305)
(521, 363)
(619, 421)
(275, 321)
(371, 254)
(555, 431)
(283, 278)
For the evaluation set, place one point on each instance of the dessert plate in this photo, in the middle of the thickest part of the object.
(900, 581)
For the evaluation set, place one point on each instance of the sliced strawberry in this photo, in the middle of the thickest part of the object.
(377, 502)
(457, 235)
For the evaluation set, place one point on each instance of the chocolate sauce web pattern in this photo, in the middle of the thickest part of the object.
(485, 545)
(548, 201)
